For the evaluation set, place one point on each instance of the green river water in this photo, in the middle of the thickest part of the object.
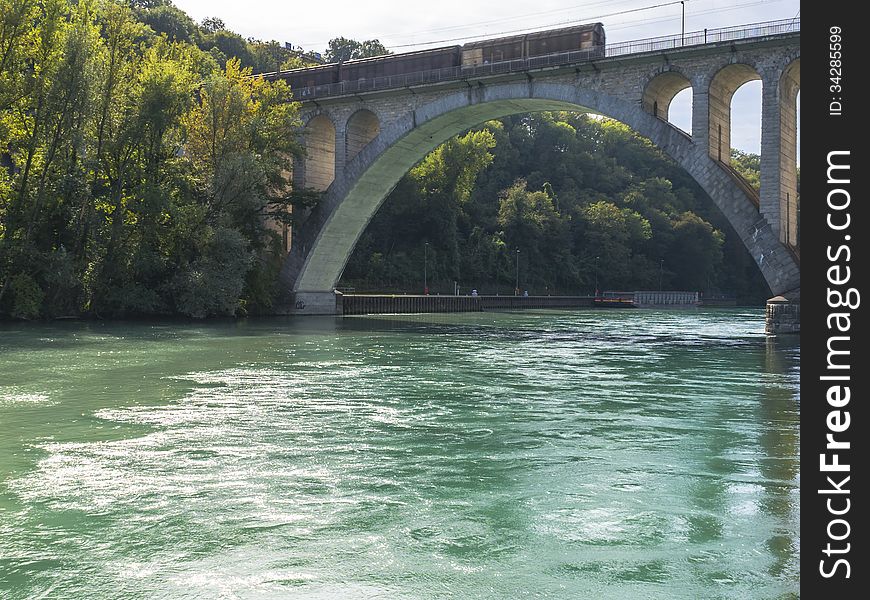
(595, 454)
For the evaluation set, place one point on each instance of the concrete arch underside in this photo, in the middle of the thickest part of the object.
(661, 90)
(789, 86)
(319, 165)
(722, 89)
(333, 228)
(362, 127)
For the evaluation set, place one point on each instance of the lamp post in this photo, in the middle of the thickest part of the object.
(517, 287)
(596, 275)
(426, 268)
(661, 270)
(683, 31)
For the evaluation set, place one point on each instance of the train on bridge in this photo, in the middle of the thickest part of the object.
(588, 38)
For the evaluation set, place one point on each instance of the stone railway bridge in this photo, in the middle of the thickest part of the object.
(362, 137)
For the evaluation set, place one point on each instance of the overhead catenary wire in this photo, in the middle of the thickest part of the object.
(631, 24)
(506, 19)
(500, 33)
(584, 20)
(567, 22)
(405, 34)
(611, 28)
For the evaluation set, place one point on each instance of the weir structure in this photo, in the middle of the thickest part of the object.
(362, 136)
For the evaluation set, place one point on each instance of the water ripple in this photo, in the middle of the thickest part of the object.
(563, 454)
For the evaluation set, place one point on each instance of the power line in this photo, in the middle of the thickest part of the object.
(504, 19)
(598, 18)
(616, 27)
(623, 25)
(627, 11)
(631, 24)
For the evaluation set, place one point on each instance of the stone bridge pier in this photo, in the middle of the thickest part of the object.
(360, 144)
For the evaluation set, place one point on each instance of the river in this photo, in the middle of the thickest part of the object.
(591, 454)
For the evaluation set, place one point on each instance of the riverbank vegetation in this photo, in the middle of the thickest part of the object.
(141, 166)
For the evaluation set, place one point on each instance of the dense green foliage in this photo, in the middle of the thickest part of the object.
(749, 167)
(212, 36)
(137, 172)
(341, 49)
(583, 200)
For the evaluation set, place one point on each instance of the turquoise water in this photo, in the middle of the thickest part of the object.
(636, 454)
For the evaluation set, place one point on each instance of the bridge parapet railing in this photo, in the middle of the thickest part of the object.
(672, 42)
(707, 36)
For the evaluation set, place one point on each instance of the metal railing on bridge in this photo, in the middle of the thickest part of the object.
(707, 36)
(659, 44)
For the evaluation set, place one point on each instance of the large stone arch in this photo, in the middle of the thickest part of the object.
(315, 265)
(362, 127)
(722, 87)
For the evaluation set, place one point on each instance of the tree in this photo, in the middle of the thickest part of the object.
(232, 45)
(271, 56)
(696, 252)
(615, 236)
(530, 222)
(136, 174)
(212, 24)
(342, 49)
(50, 124)
(370, 48)
(748, 165)
(139, 4)
(168, 20)
(240, 141)
(212, 284)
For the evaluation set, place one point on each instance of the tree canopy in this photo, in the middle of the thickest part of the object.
(138, 172)
(341, 49)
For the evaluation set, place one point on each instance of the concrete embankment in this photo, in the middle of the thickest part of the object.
(372, 304)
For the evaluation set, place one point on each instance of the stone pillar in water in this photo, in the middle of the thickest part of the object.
(783, 314)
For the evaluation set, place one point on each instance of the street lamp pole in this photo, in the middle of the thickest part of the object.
(683, 34)
(661, 270)
(596, 275)
(517, 288)
(426, 268)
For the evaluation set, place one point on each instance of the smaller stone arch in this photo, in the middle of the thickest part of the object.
(362, 127)
(661, 90)
(319, 164)
(789, 86)
(722, 87)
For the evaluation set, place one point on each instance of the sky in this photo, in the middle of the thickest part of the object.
(412, 25)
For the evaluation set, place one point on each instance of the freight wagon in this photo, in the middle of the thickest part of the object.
(450, 61)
